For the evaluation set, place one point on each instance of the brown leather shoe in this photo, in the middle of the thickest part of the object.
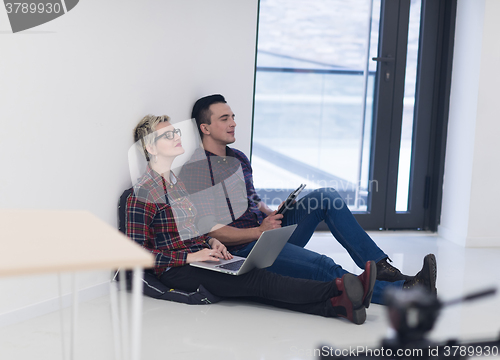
(387, 272)
(368, 278)
(349, 304)
(426, 277)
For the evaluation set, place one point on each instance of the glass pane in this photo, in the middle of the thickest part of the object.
(405, 149)
(314, 96)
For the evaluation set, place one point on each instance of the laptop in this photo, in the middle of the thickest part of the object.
(263, 254)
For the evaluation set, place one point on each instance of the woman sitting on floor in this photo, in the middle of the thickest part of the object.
(151, 222)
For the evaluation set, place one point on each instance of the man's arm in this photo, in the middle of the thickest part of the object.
(231, 236)
(264, 208)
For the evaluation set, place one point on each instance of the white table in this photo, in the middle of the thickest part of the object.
(47, 241)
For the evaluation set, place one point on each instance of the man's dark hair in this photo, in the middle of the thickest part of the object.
(201, 110)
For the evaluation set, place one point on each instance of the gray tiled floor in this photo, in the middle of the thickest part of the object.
(177, 331)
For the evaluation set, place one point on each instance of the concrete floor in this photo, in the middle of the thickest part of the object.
(178, 331)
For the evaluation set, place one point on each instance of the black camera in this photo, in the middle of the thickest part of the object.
(412, 314)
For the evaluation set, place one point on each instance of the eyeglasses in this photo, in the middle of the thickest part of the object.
(169, 135)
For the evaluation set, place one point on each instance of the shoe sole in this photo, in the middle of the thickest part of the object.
(359, 316)
(431, 264)
(354, 290)
(373, 277)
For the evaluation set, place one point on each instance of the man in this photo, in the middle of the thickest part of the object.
(216, 124)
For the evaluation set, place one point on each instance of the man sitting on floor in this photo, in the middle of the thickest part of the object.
(216, 125)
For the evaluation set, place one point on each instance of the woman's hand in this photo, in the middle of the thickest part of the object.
(204, 255)
(218, 251)
(220, 248)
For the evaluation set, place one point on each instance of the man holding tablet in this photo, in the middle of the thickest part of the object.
(216, 124)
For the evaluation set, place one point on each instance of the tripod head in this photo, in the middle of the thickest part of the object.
(413, 313)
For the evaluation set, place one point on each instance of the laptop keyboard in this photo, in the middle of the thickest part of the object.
(235, 265)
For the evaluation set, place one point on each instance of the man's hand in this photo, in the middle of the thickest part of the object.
(220, 248)
(282, 203)
(272, 221)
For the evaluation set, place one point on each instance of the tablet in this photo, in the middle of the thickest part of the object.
(291, 198)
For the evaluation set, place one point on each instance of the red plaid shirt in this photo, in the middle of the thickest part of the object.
(160, 217)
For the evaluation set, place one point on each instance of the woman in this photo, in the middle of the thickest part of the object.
(160, 217)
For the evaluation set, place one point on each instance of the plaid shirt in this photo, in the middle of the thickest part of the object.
(200, 174)
(160, 217)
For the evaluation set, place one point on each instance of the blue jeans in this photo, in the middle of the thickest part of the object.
(295, 261)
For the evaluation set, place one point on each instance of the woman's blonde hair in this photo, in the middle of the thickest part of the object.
(145, 128)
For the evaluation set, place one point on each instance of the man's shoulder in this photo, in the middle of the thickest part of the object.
(198, 155)
(239, 154)
(197, 165)
(195, 174)
(198, 160)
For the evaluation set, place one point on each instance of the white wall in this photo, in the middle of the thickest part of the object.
(72, 90)
(471, 199)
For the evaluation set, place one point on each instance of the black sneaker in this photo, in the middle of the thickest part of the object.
(426, 277)
(387, 272)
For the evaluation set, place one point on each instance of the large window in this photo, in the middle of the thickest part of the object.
(314, 97)
(337, 104)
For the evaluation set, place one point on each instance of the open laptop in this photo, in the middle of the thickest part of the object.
(262, 255)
